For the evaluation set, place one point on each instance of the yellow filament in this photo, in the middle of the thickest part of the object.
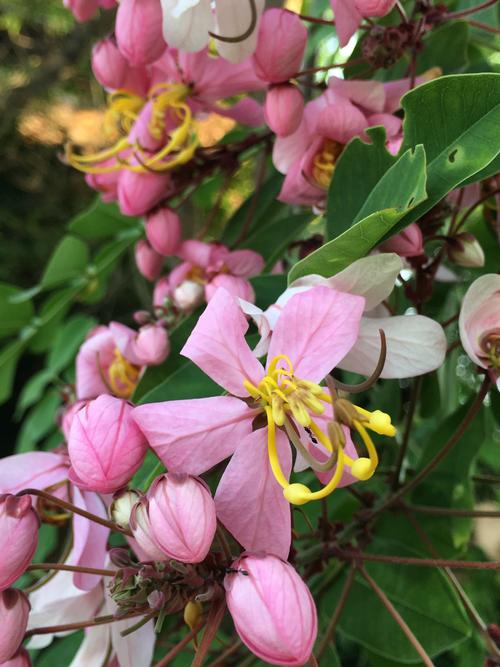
(370, 447)
(299, 494)
(272, 450)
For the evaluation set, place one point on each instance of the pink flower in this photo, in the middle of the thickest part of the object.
(148, 261)
(284, 108)
(138, 193)
(309, 155)
(206, 267)
(101, 367)
(272, 609)
(147, 347)
(348, 14)
(164, 232)
(280, 47)
(178, 519)
(105, 446)
(19, 525)
(479, 324)
(374, 7)
(314, 332)
(138, 30)
(21, 659)
(408, 243)
(14, 611)
(83, 10)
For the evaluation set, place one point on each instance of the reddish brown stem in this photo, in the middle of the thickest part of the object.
(421, 562)
(68, 627)
(330, 630)
(397, 617)
(73, 508)
(471, 10)
(70, 568)
(483, 26)
(452, 511)
(174, 652)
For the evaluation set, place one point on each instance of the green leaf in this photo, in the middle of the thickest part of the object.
(460, 132)
(188, 381)
(50, 316)
(33, 390)
(401, 188)
(69, 260)
(268, 288)
(61, 651)
(9, 357)
(100, 221)
(40, 421)
(67, 341)
(13, 316)
(271, 240)
(422, 596)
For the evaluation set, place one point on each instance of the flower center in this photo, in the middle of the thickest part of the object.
(288, 401)
(171, 123)
(490, 345)
(122, 376)
(324, 162)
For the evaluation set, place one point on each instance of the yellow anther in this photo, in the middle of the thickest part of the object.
(299, 411)
(378, 421)
(313, 403)
(193, 612)
(297, 494)
(324, 163)
(123, 376)
(362, 469)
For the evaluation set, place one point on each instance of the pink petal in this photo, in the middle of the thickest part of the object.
(96, 353)
(347, 19)
(196, 252)
(244, 263)
(316, 329)
(369, 95)
(240, 288)
(391, 123)
(92, 548)
(36, 470)
(192, 436)
(250, 502)
(341, 121)
(217, 345)
(124, 338)
(246, 111)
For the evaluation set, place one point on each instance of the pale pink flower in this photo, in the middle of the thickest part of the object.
(105, 446)
(19, 525)
(415, 344)
(272, 609)
(164, 231)
(187, 24)
(479, 324)
(280, 46)
(314, 332)
(206, 267)
(14, 611)
(176, 521)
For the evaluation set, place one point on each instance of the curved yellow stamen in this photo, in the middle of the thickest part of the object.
(276, 360)
(299, 494)
(272, 450)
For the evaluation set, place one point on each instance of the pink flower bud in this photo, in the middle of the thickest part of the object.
(18, 537)
(108, 64)
(189, 295)
(408, 243)
(465, 250)
(182, 516)
(151, 345)
(272, 609)
(105, 446)
(280, 46)
(139, 30)
(148, 261)
(164, 232)
(140, 525)
(161, 292)
(14, 612)
(284, 108)
(21, 659)
(374, 7)
(139, 193)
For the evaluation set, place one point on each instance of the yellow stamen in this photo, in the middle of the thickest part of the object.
(123, 376)
(272, 450)
(324, 163)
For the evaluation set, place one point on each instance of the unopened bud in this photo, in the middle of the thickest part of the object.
(189, 295)
(465, 250)
(284, 109)
(120, 557)
(156, 600)
(121, 507)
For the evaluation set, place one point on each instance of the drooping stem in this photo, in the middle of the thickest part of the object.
(73, 508)
(99, 620)
(397, 617)
(484, 26)
(421, 562)
(70, 568)
(433, 463)
(330, 630)
(314, 19)
(452, 511)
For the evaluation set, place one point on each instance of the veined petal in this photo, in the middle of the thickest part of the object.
(37, 470)
(249, 500)
(479, 312)
(316, 329)
(244, 263)
(415, 345)
(347, 19)
(192, 436)
(217, 345)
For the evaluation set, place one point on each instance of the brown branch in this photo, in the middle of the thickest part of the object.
(417, 385)
(330, 630)
(471, 10)
(70, 568)
(397, 617)
(68, 627)
(452, 511)
(174, 652)
(408, 560)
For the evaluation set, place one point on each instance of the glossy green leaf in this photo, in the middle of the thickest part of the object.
(271, 240)
(13, 316)
(460, 132)
(39, 422)
(400, 188)
(422, 596)
(188, 381)
(9, 357)
(69, 260)
(100, 221)
(67, 341)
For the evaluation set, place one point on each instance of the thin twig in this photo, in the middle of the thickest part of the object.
(419, 562)
(484, 26)
(471, 10)
(417, 385)
(174, 652)
(70, 568)
(220, 661)
(330, 630)
(68, 627)
(452, 511)
(397, 617)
